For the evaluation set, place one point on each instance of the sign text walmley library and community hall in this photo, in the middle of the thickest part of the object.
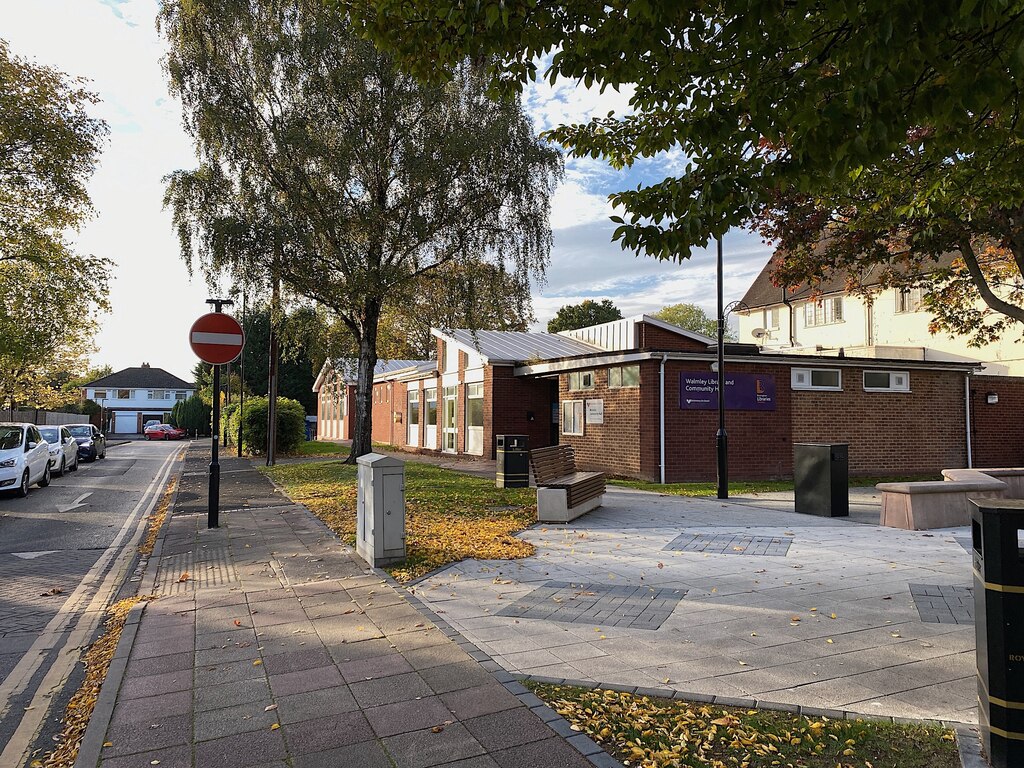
(743, 391)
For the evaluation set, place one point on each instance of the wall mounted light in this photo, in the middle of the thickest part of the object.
(992, 398)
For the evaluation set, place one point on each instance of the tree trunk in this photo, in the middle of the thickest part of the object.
(362, 438)
(275, 303)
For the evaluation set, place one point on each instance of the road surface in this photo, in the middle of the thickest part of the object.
(66, 552)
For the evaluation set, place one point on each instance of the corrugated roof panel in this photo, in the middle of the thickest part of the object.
(521, 346)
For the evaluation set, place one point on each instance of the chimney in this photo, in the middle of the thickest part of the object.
(145, 365)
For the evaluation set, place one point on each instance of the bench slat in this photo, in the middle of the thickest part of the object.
(555, 467)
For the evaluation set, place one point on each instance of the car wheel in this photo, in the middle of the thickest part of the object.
(45, 479)
(23, 487)
(74, 467)
(104, 454)
(63, 466)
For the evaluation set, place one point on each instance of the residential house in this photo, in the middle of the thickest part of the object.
(131, 397)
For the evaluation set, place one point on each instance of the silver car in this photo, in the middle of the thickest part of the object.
(63, 449)
(24, 458)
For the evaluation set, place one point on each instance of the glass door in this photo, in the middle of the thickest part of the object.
(449, 420)
(413, 412)
(430, 418)
(475, 419)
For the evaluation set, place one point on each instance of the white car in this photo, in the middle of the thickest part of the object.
(63, 449)
(24, 458)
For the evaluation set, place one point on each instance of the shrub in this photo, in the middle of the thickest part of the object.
(291, 424)
(192, 415)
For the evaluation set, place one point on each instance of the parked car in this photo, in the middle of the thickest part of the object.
(24, 458)
(63, 449)
(164, 432)
(150, 423)
(92, 444)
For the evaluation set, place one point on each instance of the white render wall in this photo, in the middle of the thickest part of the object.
(891, 335)
(139, 399)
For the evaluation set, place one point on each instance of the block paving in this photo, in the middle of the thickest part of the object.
(728, 544)
(623, 605)
(300, 656)
(944, 604)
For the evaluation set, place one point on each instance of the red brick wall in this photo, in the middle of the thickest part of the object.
(760, 442)
(614, 446)
(997, 431)
(916, 432)
(388, 399)
(653, 337)
(517, 406)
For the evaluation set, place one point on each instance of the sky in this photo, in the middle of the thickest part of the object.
(114, 45)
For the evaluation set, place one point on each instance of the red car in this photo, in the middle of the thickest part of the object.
(164, 432)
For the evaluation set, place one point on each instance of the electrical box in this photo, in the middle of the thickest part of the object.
(821, 473)
(380, 509)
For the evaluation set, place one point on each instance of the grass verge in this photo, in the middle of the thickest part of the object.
(745, 487)
(79, 710)
(320, 448)
(664, 733)
(450, 516)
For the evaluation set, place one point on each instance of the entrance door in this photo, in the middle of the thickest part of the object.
(449, 420)
(475, 419)
(430, 418)
(413, 412)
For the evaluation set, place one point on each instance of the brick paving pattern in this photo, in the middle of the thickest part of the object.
(612, 605)
(944, 604)
(298, 655)
(730, 544)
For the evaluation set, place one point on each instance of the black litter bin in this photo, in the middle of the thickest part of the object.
(513, 464)
(997, 534)
(821, 474)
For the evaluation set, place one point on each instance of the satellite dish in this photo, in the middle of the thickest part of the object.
(759, 333)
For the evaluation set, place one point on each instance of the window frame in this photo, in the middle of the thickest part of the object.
(810, 386)
(580, 386)
(119, 396)
(828, 312)
(905, 388)
(909, 300)
(578, 427)
(99, 394)
(618, 372)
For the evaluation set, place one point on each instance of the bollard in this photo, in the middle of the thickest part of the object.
(997, 533)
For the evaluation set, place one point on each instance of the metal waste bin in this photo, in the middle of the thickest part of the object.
(380, 509)
(513, 462)
(821, 474)
(997, 533)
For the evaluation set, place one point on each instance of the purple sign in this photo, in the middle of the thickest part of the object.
(743, 391)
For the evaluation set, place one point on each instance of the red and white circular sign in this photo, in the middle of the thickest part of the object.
(216, 338)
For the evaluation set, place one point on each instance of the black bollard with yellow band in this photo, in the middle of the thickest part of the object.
(997, 534)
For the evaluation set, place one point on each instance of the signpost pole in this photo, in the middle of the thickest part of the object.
(721, 439)
(213, 514)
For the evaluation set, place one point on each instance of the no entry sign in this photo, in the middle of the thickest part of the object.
(216, 338)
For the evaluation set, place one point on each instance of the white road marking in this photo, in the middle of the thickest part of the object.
(17, 748)
(34, 555)
(76, 504)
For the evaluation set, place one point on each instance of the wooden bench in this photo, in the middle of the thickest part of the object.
(563, 492)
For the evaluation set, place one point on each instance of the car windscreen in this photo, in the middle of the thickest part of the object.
(50, 434)
(84, 431)
(10, 438)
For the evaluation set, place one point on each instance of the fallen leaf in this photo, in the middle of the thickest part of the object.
(52, 592)
(238, 623)
(661, 565)
(275, 726)
(437, 729)
(257, 663)
(184, 576)
(270, 708)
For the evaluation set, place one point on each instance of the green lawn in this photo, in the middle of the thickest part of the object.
(320, 448)
(668, 733)
(744, 487)
(449, 515)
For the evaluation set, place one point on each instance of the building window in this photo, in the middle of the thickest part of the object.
(157, 394)
(580, 380)
(886, 381)
(430, 396)
(624, 376)
(909, 300)
(771, 319)
(823, 312)
(180, 395)
(99, 394)
(124, 394)
(572, 417)
(828, 379)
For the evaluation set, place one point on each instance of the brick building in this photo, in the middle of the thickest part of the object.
(638, 398)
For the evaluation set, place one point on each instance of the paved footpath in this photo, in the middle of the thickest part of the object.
(271, 644)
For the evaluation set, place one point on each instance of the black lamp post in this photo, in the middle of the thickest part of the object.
(721, 439)
(213, 511)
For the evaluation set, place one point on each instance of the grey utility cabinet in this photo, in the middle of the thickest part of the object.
(821, 474)
(380, 509)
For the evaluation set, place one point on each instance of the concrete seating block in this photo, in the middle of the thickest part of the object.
(553, 506)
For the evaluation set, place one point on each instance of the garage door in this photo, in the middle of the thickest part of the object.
(125, 423)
